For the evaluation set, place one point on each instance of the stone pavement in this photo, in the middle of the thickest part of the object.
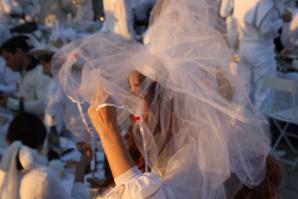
(289, 186)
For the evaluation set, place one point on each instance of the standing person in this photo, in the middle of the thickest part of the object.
(23, 171)
(261, 21)
(176, 96)
(119, 18)
(32, 84)
(84, 11)
(55, 97)
(53, 11)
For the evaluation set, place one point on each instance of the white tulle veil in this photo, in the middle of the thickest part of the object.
(197, 136)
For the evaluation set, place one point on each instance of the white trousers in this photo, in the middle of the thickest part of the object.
(257, 60)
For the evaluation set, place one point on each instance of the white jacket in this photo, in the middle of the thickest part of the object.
(33, 87)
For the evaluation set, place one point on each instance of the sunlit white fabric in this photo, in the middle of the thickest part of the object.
(226, 11)
(35, 181)
(118, 18)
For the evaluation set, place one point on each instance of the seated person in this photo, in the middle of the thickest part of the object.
(32, 84)
(8, 79)
(23, 171)
(53, 11)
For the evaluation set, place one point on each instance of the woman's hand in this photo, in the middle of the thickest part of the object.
(104, 121)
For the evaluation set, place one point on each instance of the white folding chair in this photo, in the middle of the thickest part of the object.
(285, 110)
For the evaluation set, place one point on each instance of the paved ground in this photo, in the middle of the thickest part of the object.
(289, 186)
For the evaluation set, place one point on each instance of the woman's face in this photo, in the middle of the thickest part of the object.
(134, 83)
(135, 89)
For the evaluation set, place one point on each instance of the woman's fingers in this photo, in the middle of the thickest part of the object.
(103, 119)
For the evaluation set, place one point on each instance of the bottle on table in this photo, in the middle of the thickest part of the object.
(53, 141)
(21, 105)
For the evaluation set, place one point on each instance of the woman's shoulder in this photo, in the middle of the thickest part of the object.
(134, 184)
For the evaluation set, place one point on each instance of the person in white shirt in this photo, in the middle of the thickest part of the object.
(118, 18)
(261, 21)
(23, 171)
(32, 84)
(57, 102)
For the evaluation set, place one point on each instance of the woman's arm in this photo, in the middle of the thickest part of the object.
(104, 121)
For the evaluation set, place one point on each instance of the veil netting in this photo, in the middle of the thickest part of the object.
(194, 134)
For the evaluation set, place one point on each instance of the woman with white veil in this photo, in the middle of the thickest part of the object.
(176, 99)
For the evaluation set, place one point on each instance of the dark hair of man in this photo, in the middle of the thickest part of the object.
(17, 42)
(28, 129)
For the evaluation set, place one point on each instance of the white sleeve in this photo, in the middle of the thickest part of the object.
(134, 184)
(271, 23)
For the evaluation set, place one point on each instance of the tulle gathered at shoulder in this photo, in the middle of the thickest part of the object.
(193, 130)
